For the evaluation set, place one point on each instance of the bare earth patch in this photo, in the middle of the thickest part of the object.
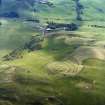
(86, 52)
(7, 73)
(75, 40)
(67, 68)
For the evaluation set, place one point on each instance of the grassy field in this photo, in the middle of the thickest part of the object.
(52, 75)
(70, 67)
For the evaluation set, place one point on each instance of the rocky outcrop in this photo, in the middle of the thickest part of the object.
(34, 43)
(15, 54)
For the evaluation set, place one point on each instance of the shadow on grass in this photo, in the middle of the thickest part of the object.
(58, 48)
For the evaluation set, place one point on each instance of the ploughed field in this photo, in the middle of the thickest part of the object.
(69, 69)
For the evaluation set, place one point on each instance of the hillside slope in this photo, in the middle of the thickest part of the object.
(55, 10)
(59, 67)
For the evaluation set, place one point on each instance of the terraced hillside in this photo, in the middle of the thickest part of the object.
(52, 66)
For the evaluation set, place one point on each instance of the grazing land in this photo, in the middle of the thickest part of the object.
(58, 66)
